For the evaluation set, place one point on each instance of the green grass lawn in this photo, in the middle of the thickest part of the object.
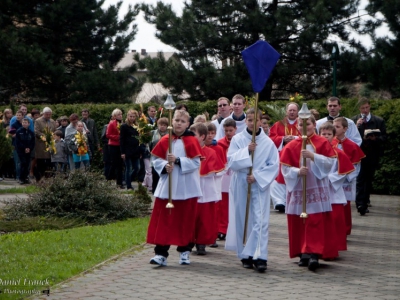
(26, 189)
(56, 255)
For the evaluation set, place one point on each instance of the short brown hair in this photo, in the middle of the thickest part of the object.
(211, 127)
(200, 128)
(327, 126)
(163, 121)
(230, 123)
(342, 121)
(58, 133)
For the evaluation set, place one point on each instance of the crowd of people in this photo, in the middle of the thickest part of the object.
(201, 180)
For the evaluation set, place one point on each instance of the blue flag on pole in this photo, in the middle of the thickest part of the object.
(260, 59)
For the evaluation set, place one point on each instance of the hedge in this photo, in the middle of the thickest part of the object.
(386, 178)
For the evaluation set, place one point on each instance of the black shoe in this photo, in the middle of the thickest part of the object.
(303, 262)
(122, 187)
(247, 263)
(260, 265)
(362, 210)
(201, 250)
(215, 245)
(221, 236)
(313, 263)
(280, 208)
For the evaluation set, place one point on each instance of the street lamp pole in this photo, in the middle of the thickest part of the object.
(335, 55)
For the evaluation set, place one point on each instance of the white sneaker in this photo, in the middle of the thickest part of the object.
(184, 259)
(159, 260)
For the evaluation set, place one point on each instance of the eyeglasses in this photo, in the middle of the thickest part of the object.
(220, 105)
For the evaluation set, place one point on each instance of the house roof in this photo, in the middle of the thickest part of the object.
(128, 60)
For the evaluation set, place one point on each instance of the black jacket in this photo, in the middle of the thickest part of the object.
(129, 142)
(372, 149)
(24, 138)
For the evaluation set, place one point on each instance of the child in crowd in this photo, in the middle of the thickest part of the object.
(309, 237)
(81, 156)
(262, 156)
(223, 205)
(59, 159)
(162, 125)
(175, 226)
(355, 154)
(210, 166)
(24, 144)
(340, 170)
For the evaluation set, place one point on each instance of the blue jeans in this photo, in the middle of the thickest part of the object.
(131, 168)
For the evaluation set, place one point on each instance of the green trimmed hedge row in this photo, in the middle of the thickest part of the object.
(386, 179)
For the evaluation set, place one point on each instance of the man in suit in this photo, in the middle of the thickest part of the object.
(93, 136)
(372, 147)
(151, 115)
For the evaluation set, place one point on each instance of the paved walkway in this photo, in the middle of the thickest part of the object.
(370, 269)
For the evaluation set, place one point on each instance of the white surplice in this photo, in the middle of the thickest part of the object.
(319, 192)
(186, 178)
(265, 170)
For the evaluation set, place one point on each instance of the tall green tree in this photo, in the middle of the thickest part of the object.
(381, 68)
(55, 49)
(210, 35)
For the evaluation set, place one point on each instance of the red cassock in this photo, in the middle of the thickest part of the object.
(281, 129)
(317, 234)
(355, 154)
(223, 205)
(175, 226)
(352, 150)
(338, 210)
(206, 219)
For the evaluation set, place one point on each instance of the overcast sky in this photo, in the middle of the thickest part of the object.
(145, 37)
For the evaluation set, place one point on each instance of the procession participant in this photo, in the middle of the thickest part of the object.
(281, 133)
(175, 226)
(372, 146)
(223, 112)
(355, 154)
(334, 108)
(238, 103)
(210, 166)
(307, 238)
(223, 205)
(221, 155)
(342, 168)
(284, 131)
(265, 164)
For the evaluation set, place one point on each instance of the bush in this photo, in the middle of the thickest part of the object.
(83, 195)
(5, 148)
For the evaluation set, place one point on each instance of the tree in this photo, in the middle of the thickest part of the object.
(211, 34)
(49, 49)
(382, 65)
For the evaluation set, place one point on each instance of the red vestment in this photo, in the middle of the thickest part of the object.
(281, 129)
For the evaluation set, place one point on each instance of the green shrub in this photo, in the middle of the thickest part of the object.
(83, 195)
(5, 146)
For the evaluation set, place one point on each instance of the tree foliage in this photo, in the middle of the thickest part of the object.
(381, 68)
(210, 35)
(54, 49)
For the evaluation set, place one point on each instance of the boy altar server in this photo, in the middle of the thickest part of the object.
(175, 226)
(354, 152)
(342, 168)
(309, 238)
(265, 168)
(210, 166)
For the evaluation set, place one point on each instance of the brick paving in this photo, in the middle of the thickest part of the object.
(370, 269)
